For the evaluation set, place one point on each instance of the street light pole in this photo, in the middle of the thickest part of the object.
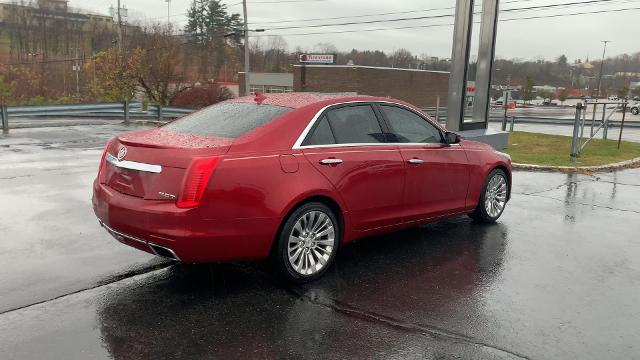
(246, 49)
(604, 50)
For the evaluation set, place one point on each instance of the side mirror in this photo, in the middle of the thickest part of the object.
(451, 138)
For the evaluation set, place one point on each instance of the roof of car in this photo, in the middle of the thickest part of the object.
(301, 99)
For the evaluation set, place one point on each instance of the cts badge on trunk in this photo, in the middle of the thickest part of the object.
(167, 195)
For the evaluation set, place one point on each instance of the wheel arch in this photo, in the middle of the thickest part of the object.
(321, 198)
(507, 171)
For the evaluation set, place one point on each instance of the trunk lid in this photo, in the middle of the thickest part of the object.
(169, 155)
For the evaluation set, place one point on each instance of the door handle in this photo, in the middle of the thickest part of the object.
(415, 161)
(331, 161)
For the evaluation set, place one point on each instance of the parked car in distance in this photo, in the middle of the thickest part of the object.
(511, 104)
(293, 177)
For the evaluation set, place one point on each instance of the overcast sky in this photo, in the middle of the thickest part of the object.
(574, 36)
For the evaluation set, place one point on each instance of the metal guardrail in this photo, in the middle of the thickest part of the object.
(579, 141)
(123, 110)
(531, 119)
(438, 113)
(136, 110)
(49, 110)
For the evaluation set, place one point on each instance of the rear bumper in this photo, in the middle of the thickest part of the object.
(159, 227)
(140, 244)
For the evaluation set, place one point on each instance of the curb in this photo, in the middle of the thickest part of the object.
(627, 164)
(148, 122)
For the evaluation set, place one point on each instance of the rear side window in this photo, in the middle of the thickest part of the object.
(321, 135)
(355, 124)
(227, 119)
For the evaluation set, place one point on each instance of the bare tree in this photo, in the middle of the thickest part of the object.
(275, 55)
(325, 48)
(160, 75)
(256, 54)
(402, 58)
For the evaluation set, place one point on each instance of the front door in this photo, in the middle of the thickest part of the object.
(437, 174)
(347, 146)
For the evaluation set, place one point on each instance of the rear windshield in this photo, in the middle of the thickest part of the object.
(227, 119)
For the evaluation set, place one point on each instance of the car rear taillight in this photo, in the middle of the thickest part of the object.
(195, 181)
(102, 163)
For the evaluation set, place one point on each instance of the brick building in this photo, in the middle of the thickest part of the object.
(419, 87)
(50, 13)
(266, 82)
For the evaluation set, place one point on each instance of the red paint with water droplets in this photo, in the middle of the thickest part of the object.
(259, 177)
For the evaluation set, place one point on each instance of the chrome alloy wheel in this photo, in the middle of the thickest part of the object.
(496, 195)
(311, 242)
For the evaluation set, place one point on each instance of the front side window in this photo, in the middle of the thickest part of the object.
(355, 125)
(408, 127)
(227, 119)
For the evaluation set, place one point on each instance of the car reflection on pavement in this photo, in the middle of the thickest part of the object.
(224, 310)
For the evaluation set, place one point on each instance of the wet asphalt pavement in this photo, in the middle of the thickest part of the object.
(48, 232)
(557, 277)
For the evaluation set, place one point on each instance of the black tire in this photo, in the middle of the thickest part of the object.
(635, 110)
(281, 251)
(480, 213)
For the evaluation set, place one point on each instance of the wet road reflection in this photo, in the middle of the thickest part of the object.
(432, 269)
(222, 310)
(556, 277)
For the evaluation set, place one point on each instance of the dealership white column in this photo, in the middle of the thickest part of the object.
(477, 127)
(486, 52)
(459, 60)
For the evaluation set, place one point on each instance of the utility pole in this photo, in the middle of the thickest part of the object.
(604, 50)
(76, 68)
(246, 49)
(168, 16)
(571, 75)
(119, 30)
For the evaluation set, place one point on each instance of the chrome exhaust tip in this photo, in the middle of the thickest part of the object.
(163, 251)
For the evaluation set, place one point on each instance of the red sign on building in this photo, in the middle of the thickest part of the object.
(317, 58)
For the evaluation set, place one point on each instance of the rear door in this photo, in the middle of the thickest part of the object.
(347, 146)
(437, 174)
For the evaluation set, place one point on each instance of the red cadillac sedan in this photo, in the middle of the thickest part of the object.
(293, 177)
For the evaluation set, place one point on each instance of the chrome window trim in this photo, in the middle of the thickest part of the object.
(298, 144)
(426, 145)
(133, 165)
(355, 151)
